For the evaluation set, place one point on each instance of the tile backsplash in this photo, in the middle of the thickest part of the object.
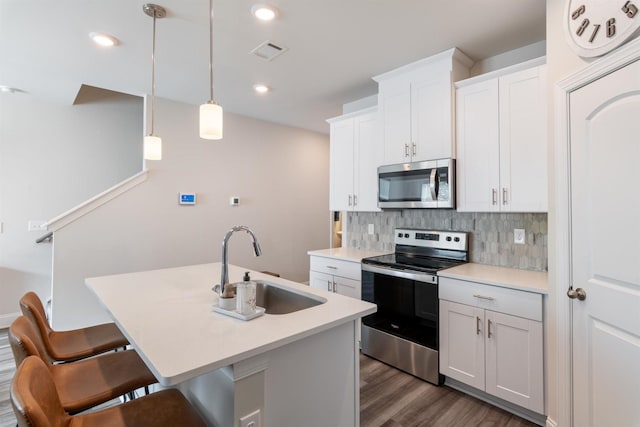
(490, 234)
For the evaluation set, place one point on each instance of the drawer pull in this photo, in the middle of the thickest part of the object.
(484, 297)
(332, 267)
(477, 325)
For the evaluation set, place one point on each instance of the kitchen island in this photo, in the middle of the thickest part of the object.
(300, 368)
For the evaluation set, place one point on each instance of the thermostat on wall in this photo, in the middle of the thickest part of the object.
(187, 198)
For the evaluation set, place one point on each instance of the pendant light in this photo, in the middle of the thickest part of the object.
(211, 112)
(152, 147)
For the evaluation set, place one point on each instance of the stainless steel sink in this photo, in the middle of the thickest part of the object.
(278, 300)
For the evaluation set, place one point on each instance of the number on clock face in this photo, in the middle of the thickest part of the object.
(629, 9)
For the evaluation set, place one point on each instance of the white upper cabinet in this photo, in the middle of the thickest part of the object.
(416, 107)
(502, 141)
(355, 152)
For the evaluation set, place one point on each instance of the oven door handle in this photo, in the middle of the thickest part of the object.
(405, 274)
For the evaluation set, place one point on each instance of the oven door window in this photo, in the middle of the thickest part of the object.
(393, 295)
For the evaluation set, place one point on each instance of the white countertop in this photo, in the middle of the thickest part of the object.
(347, 254)
(166, 315)
(525, 280)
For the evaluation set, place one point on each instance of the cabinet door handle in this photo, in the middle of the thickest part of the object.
(415, 148)
(483, 297)
(477, 325)
(329, 285)
(355, 200)
(406, 150)
(335, 288)
(494, 196)
(489, 334)
(505, 196)
(349, 199)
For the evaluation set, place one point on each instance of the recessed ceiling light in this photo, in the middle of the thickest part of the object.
(261, 88)
(264, 12)
(103, 39)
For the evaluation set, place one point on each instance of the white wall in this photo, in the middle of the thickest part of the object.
(53, 157)
(280, 174)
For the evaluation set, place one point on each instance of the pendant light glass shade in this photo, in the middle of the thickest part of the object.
(152, 148)
(210, 121)
(211, 112)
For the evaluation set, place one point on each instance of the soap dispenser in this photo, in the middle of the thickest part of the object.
(246, 295)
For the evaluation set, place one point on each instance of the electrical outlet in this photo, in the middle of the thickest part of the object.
(371, 229)
(518, 236)
(251, 420)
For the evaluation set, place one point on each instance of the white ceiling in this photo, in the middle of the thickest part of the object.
(335, 47)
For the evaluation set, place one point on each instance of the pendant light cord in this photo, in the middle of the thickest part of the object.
(153, 73)
(211, 48)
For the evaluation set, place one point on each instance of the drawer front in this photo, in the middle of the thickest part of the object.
(337, 267)
(495, 298)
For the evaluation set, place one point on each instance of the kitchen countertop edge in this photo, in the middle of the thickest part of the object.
(346, 254)
(513, 278)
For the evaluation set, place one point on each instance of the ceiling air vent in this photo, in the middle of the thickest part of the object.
(268, 51)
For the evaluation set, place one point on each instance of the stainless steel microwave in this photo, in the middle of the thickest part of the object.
(427, 184)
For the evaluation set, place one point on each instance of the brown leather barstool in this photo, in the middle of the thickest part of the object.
(65, 346)
(84, 383)
(36, 403)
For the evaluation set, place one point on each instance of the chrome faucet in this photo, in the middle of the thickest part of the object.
(224, 276)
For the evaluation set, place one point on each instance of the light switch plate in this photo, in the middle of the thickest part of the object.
(518, 236)
(371, 229)
(36, 225)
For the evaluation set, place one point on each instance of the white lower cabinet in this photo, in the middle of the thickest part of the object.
(337, 284)
(333, 275)
(485, 344)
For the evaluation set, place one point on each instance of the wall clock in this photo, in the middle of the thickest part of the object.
(595, 27)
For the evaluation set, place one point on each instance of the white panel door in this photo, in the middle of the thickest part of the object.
(342, 156)
(605, 248)
(523, 141)
(462, 343)
(478, 150)
(514, 366)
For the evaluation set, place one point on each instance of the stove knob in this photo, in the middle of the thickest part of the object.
(448, 238)
(406, 235)
(457, 239)
(400, 235)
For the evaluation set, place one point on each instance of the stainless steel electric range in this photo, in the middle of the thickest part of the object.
(404, 286)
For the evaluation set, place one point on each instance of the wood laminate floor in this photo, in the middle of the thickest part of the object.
(7, 368)
(392, 398)
(388, 398)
